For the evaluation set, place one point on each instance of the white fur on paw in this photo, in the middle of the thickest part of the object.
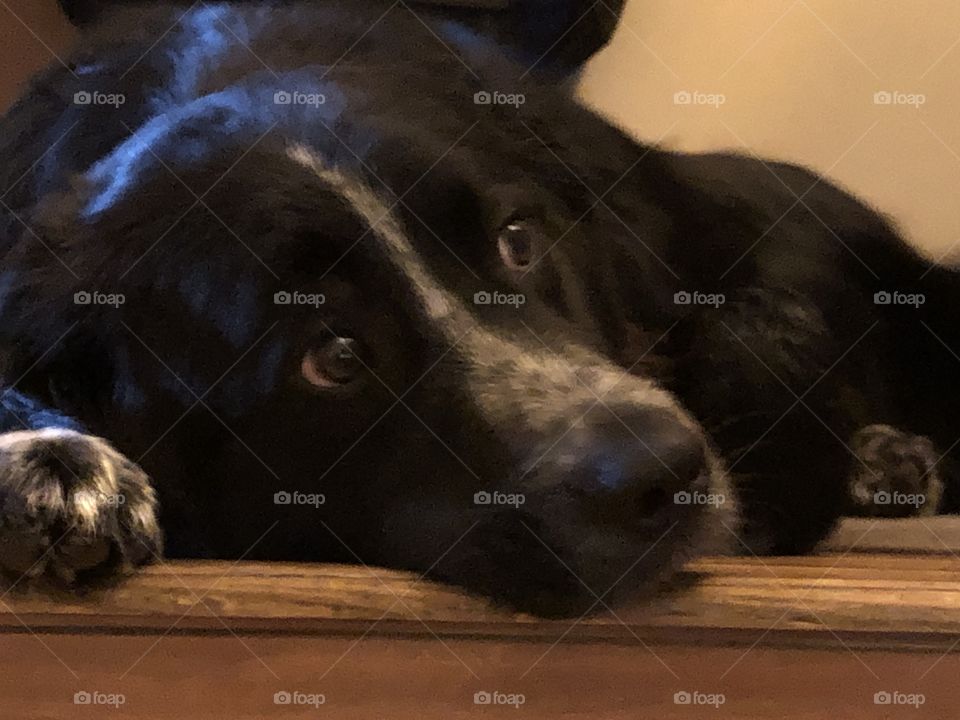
(895, 474)
(69, 503)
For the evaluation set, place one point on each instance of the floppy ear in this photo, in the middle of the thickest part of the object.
(79, 11)
(561, 34)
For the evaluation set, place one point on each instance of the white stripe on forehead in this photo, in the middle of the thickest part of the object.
(534, 384)
(382, 223)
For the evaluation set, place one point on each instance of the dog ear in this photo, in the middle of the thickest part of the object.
(557, 34)
(79, 11)
(560, 35)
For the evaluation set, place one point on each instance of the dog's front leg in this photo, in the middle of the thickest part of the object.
(72, 508)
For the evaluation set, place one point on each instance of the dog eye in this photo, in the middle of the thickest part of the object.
(516, 245)
(336, 362)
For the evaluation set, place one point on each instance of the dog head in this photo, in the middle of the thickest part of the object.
(385, 316)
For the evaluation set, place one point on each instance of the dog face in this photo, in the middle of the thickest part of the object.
(387, 331)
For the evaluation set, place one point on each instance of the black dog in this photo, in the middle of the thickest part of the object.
(351, 287)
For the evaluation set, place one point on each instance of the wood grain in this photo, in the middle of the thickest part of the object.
(899, 600)
(775, 637)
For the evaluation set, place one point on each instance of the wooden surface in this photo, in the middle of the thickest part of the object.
(897, 601)
(804, 637)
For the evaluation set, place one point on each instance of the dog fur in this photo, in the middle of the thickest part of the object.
(198, 198)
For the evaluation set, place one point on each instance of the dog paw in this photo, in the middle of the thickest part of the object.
(895, 474)
(72, 509)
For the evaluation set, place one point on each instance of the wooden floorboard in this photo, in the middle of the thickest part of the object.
(775, 637)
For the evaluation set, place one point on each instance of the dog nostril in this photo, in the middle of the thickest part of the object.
(686, 464)
(627, 471)
(652, 502)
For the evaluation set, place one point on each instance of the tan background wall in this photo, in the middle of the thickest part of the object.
(797, 77)
(31, 31)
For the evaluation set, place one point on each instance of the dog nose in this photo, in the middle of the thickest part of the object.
(627, 466)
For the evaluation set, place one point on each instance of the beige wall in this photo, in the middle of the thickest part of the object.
(31, 31)
(799, 79)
